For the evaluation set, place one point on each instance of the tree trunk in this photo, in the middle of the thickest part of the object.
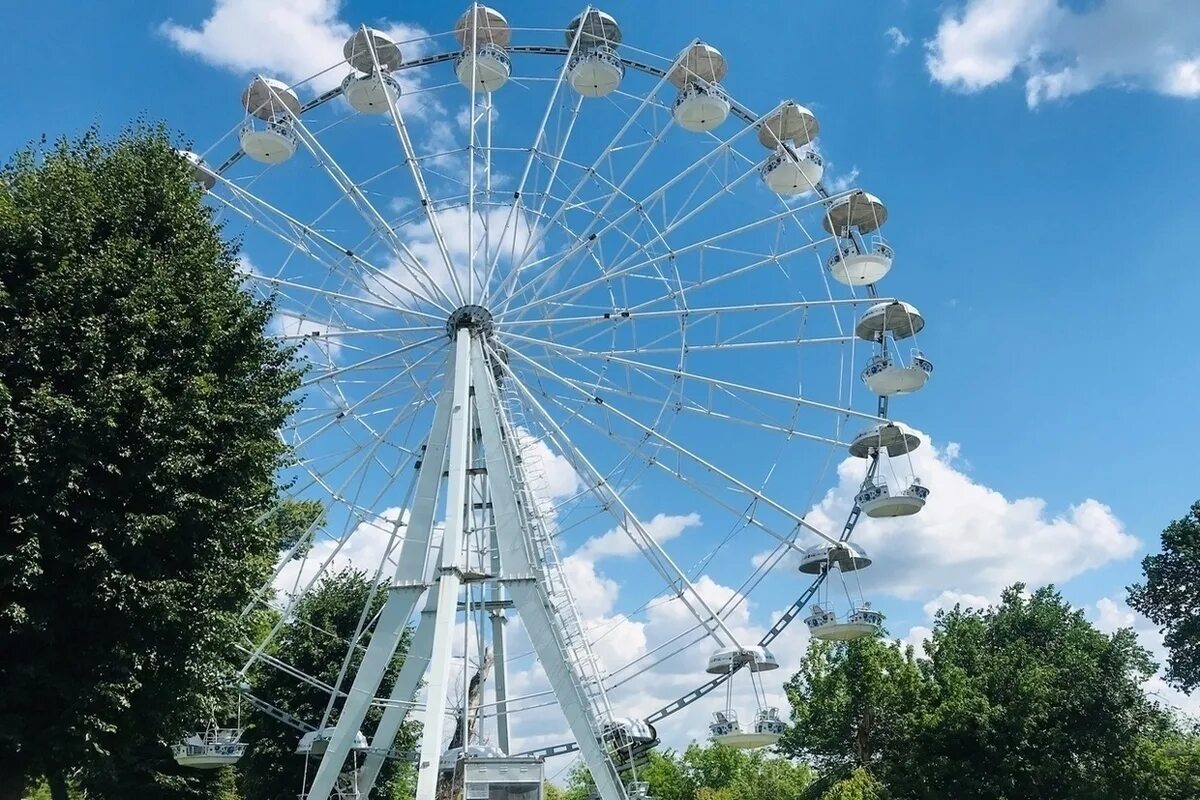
(58, 787)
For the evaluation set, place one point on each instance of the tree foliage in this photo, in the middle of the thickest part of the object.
(1170, 597)
(139, 402)
(712, 772)
(1025, 699)
(852, 706)
(315, 641)
(858, 785)
(293, 522)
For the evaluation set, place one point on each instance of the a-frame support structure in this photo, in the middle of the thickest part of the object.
(472, 434)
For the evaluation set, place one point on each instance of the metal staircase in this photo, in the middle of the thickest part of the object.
(533, 489)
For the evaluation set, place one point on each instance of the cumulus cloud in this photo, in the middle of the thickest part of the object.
(967, 544)
(1109, 614)
(665, 674)
(949, 599)
(496, 233)
(1062, 51)
(363, 548)
(970, 539)
(616, 542)
(551, 475)
(293, 40)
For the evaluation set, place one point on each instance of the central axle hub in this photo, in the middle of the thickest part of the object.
(473, 317)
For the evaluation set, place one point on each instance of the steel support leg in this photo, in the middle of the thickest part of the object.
(450, 575)
(406, 590)
(522, 578)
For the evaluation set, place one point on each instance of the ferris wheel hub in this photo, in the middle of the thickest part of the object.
(474, 317)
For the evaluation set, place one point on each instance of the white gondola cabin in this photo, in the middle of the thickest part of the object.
(596, 72)
(201, 172)
(210, 749)
(484, 35)
(701, 104)
(886, 375)
(788, 171)
(898, 319)
(726, 728)
(845, 556)
(791, 123)
(595, 69)
(373, 54)
(266, 135)
(371, 94)
(860, 623)
(858, 211)
(884, 437)
(853, 265)
(315, 743)
(877, 500)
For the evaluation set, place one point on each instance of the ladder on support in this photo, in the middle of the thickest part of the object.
(536, 505)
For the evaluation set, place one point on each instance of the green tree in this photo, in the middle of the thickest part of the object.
(669, 779)
(1031, 699)
(716, 772)
(315, 642)
(854, 705)
(292, 520)
(139, 402)
(1170, 765)
(1170, 597)
(859, 785)
(771, 776)
(1024, 699)
(714, 766)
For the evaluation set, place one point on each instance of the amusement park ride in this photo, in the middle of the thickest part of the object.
(577, 313)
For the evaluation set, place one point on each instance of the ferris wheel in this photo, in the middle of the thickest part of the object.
(542, 281)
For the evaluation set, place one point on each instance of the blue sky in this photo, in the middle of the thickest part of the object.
(1042, 206)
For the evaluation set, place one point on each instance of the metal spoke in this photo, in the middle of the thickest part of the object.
(655, 434)
(629, 523)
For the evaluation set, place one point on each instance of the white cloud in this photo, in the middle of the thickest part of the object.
(617, 542)
(551, 475)
(1147, 44)
(492, 235)
(288, 39)
(840, 183)
(364, 549)
(898, 39)
(1183, 79)
(948, 600)
(970, 539)
(916, 637)
(618, 640)
(1111, 614)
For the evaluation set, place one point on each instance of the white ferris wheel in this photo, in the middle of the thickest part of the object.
(543, 278)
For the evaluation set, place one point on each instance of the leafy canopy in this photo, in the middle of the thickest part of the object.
(1170, 597)
(140, 397)
(315, 641)
(1024, 699)
(712, 772)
